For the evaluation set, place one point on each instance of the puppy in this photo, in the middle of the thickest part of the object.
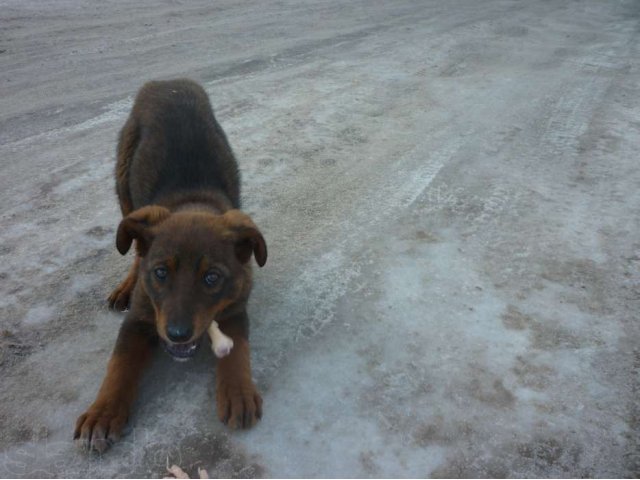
(178, 186)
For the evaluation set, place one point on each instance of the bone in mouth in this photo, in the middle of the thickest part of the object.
(220, 343)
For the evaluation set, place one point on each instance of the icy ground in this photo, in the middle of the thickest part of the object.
(450, 195)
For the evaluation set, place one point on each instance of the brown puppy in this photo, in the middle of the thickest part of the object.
(178, 186)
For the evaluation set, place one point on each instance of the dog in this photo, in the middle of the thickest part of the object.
(178, 185)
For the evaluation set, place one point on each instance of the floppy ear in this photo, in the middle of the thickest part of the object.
(247, 237)
(137, 226)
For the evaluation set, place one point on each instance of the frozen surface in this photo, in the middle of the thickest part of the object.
(449, 192)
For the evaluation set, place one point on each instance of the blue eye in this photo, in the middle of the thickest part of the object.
(161, 273)
(211, 278)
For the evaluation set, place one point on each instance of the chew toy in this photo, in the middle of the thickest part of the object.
(220, 343)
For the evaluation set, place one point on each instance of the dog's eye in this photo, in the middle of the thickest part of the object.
(211, 278)
(161, 273)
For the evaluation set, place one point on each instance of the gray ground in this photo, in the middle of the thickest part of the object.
(449, 192)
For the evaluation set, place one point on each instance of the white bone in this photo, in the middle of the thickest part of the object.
(220, 343)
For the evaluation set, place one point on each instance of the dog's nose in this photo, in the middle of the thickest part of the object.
(179, 333)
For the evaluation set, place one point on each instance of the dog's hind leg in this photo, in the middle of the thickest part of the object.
(119, 298)
(127, 145)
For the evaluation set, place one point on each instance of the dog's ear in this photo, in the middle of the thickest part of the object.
(248, 239)
(137, 226)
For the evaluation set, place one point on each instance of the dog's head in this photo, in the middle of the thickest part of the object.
(194, 266)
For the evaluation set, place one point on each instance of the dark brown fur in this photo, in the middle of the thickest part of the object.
(178, 186)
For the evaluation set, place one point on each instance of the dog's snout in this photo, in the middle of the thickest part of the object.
(179, 333)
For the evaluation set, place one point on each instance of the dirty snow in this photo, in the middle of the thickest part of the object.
(449, 192)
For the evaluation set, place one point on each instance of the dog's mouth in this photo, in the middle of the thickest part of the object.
(181, 351)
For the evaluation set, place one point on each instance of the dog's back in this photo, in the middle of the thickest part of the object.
(172, 146)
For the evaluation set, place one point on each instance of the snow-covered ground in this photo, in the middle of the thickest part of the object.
(449, 191)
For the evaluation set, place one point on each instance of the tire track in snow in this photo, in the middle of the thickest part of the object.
(113, 112)
(326, 279)
(571, 115)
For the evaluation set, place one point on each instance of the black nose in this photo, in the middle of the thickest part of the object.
(179, 333)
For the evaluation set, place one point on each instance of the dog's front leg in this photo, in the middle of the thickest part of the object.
(238, 402)
(102, 423)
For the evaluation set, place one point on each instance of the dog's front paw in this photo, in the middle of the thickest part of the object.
(100, 426)
(239, 406)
